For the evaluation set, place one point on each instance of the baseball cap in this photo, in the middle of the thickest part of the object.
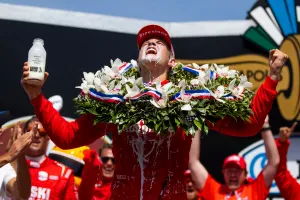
(153, 30)
(234, 161)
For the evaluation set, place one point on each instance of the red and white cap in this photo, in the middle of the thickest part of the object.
(153, 30)
(235, 161)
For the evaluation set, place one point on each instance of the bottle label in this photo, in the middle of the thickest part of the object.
(36, 64)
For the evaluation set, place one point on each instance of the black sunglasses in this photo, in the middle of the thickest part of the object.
(106, 159)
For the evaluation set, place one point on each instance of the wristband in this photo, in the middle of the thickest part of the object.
(265, 129)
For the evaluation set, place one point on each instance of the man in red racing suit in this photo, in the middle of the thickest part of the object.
(51, 180)
(288, 186)
(149, 166)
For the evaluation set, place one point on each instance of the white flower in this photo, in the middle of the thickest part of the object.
(131, 92)
(220, 92)
(100, 86)
(202, 79)
(162, 102)
(110, 72)
(139, 81)
(182, 84)
(223, 71)
(205, 67)
(89, 77)
(196, 66)
(116, 64)
(186, 99)
(134, 63)
(186, 107)
(131, 79)
(244, 82)
(237, 91)
(87, 82)
(168, 88)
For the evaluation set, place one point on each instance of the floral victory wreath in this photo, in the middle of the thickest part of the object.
(192, 96)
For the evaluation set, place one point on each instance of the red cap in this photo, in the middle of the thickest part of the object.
(152, 30)
(235, 161)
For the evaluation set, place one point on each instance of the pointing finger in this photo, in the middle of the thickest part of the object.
(293, 126)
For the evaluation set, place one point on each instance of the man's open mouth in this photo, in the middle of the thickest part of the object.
(151, 50)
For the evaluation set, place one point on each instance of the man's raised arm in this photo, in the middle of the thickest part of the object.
(261, 104)
(272, 154)
(199, 173)
(63, 133)
(288, 186)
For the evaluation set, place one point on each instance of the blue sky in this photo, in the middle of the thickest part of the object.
(158, 10)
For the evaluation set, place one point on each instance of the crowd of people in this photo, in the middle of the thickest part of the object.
(118, 172)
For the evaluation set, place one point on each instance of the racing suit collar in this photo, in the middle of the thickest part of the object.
(35, 161)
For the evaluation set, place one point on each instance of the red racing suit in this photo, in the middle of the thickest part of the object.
(288, 186)
(51, 180)
(148, 166)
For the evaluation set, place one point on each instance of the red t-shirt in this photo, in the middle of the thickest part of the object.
(255, 190)
(51, 180)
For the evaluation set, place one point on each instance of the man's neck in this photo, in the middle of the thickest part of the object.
(155, 74)
(38, 159)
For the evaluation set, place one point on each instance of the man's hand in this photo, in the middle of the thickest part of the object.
(91, 158)
(32, 90)
(286, 132)
(277, 60)
(19, 142)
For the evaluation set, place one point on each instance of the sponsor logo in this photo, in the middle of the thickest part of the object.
(121, 177)
(42, 176)
(40, 193)
(52, 177)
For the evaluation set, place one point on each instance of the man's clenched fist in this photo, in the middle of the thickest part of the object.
(277, 60)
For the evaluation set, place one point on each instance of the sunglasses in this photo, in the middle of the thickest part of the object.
(41, 131)
(106, 159)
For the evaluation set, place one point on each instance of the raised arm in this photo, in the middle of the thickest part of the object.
(285, 182)
(272, 154)
(198, 171)
(66, 134)
(63, 133)
(261, 104)
(20, 186)
(90, 173)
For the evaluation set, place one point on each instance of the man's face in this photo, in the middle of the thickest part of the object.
(154, 51)
(108, 161)
(40, 141)
(234, 177)
(191, 191)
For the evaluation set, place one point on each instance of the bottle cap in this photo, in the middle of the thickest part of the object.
(38, 40)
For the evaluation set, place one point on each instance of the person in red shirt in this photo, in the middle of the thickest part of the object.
(97, 187)
(50, 180)
(148, 165)
(191, 192)
(234, 171)
(288, 186)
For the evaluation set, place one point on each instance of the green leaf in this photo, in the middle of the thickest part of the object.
(198, 124)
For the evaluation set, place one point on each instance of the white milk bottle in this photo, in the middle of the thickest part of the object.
(36, 62)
